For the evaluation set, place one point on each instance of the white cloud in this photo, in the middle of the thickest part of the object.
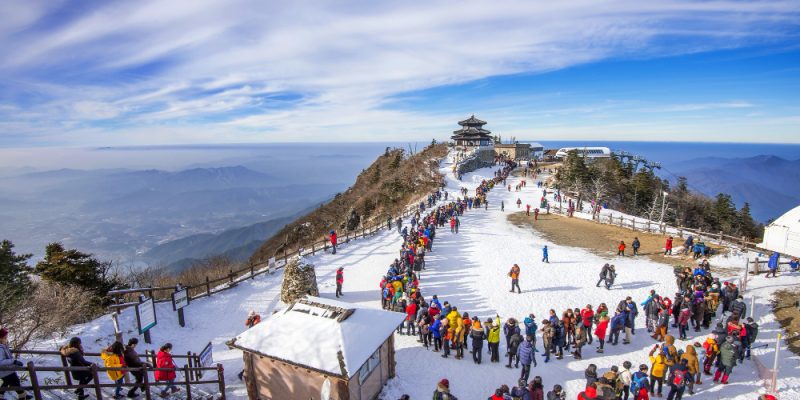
(148, 63)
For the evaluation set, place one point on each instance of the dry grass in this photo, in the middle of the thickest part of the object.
(601, 239)
(784, 305)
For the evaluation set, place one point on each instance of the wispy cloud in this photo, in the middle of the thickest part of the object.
(244, 70)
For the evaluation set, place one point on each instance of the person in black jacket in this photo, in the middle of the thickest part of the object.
(478, 336)
(74, 353)
(132, 361)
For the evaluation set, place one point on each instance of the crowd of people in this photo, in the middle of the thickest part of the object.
(701, 302)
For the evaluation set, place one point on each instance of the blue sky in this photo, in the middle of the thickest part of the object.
(85, 73)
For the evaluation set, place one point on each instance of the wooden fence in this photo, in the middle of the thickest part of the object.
(637, 225)
(121, 298)
(193, 375)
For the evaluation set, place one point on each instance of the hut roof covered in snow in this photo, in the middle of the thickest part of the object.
(783, 234)
(321, 334)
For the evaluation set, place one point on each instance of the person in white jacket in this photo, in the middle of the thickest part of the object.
(9, 378)
(625, 376)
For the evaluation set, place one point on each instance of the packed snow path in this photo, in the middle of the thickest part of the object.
(469, 269)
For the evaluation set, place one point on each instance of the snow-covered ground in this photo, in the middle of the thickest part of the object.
(469, 269)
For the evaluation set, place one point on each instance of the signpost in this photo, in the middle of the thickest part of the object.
(180, 299)
(206, 358)
(145, 317)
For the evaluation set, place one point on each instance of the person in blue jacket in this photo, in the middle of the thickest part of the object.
(526, 355)
(437, 336)
(617, 325)
(688, 244)
(545, 258)
(794, 264)
(531, 328)
(772, 264)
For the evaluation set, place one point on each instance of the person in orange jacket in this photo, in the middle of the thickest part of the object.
(332, 238)
(514, 275)
(621, 249)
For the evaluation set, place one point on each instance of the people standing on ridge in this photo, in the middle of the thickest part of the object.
(339, 281)
(332, 239)
(514, 274)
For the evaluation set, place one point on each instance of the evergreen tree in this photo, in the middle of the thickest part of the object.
(724, 213)
(15, 282)
(747, 226)
(72, 267)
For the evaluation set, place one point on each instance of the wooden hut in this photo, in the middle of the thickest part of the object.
(319, 349)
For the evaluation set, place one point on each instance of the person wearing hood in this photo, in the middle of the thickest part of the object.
(657, 370)
(73, 351)
(339, 281)
(693, 366)
(9, 378)
(442, 391)
(333, 240)
(712, 350)
(670, 351)
(166, 370)
(531, 327)
(773, 264)
(726, 360)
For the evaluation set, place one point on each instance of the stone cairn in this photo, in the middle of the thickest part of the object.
(299, 280)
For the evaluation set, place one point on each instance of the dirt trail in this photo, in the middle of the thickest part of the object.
(600, 239)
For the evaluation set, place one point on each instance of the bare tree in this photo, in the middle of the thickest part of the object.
(598, 188)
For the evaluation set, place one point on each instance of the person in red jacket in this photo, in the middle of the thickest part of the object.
(668, 246)
(339, 281)
(333, 240)
(411, 318)
(600, 331)
(165, 369)
(587, 315)
(589, 393)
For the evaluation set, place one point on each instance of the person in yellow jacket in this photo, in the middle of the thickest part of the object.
(712, 351)
(458, 338)
(114, 357)
(693, 365)
(493, 338)
(659, 367)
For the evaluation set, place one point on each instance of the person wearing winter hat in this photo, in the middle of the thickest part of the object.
(9, 378)
(726, 360)
(442, 391)
(339, 281)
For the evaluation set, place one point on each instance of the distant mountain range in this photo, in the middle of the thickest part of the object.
(122, 214)
(770, 184)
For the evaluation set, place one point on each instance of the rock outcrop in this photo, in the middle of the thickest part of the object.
(299, 279)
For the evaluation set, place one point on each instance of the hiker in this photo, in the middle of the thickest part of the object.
(693, 366)
(113, 357)
(625, 377)
(726, 360)
(527, 210)
(658, 369)
(252, 319)
(712, 351)
(621, 248)
(9, 378)
(493, 338)
(513, 346)
(339, 281)
(556, 394)
(589, 393)
(635, 245)
(752, 332)
(478, 336)
(133, 361)
(332, 238)
(442, 391)
(74, 353)
(688, 244)
(773, 264)
(536, 214)
(526, 354)
(514, 275)
(165, 370)
(600, 330)
(640, 383)
(547, 339)
(581, 334)
(545, 257)
(678, 377)
(606, 274)
(668, 246)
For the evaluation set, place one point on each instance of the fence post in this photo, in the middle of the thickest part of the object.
(648, 226)
(620, 221)
(230, 277)
(208, 287)
(746, 272)
(67, 376)
(187, 381)
(775, 365)
(313, 248)
(98, 392)
(37, 394)
(221, 378)
(252, 270)
(146, 383)
(189, 360)
(633, 223)
(720, 237)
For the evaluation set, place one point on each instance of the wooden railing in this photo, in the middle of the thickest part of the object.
(122, 299)
(192, 377)
(645, 225)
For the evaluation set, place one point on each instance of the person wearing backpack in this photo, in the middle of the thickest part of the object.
(678, 379)
(658, 369)
(670, 352)
(712, 350)
(726, 360)
(639, 383)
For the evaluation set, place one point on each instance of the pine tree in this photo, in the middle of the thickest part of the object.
(746, 225)
(15, 281)
(73, 267)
